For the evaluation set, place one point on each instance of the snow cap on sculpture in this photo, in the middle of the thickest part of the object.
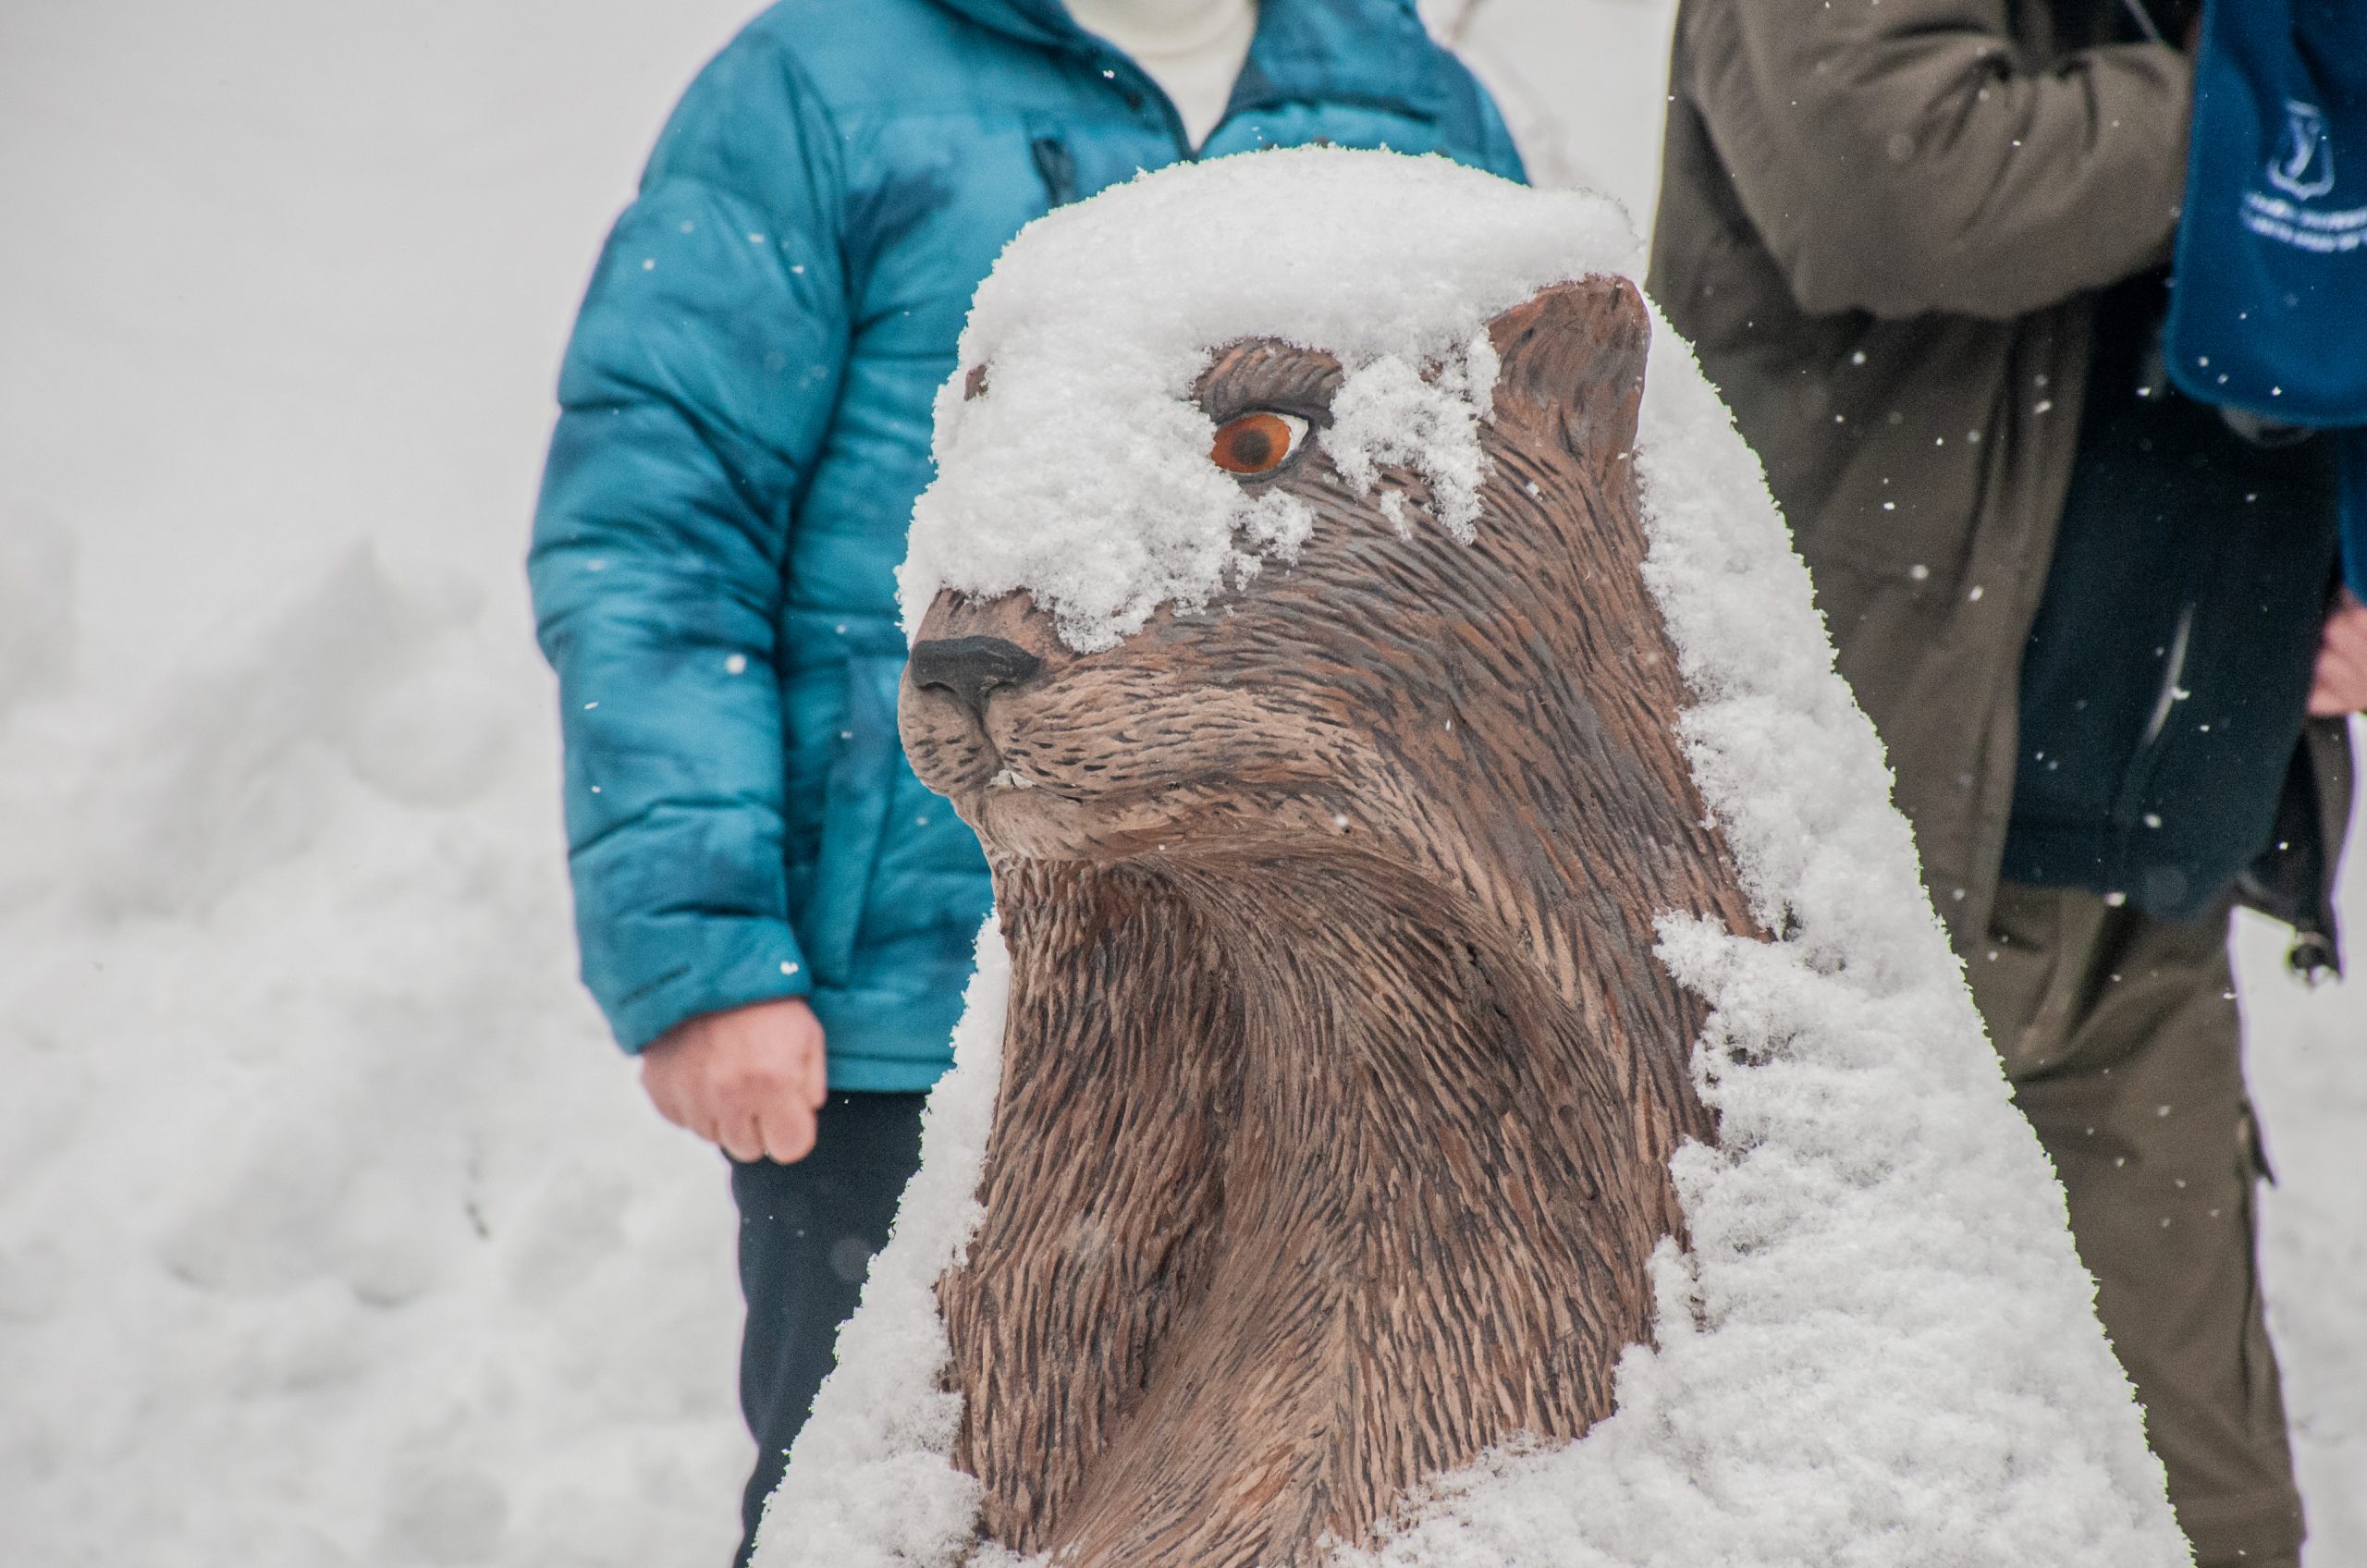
(1082, 462)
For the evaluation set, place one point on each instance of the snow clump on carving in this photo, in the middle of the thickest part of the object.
(1081, 472)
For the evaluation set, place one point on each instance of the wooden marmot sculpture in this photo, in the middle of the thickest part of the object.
(1340, 1080)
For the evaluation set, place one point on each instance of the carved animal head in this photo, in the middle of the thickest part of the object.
(1340, 1081)
(1463, 708)
(1311, 1118)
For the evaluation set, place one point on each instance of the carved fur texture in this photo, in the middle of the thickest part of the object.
(1339, 1079)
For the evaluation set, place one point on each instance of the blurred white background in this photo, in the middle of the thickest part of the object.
(332, 1230)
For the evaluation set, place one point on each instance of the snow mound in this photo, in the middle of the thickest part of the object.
(1880, 1349)
(332, 1232)
(1082, 472)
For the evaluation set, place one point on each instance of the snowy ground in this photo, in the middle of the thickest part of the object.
(331, 1230)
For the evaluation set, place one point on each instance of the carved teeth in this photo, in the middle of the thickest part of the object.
(1007, 779)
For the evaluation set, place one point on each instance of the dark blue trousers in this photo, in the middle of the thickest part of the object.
(806, 1235)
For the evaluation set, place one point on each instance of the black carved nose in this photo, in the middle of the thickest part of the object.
(969, 667)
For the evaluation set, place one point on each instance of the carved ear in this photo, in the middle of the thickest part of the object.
(1574, 353)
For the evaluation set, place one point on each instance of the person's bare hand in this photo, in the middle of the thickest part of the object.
(749, 1078)
(2340, 685)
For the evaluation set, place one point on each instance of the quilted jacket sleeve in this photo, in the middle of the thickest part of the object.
(1904, 157)
(694, 394)
(1489, 143)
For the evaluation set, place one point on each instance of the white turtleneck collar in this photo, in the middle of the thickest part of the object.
(1192, 48)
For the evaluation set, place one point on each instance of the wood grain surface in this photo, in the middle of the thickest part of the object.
(1340, 1081)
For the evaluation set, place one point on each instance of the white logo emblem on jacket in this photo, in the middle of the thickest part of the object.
(2302, 166)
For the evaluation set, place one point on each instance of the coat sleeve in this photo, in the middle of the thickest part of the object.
(1903, 157)
(1492, 146)
(1498, 153)
(693, 397)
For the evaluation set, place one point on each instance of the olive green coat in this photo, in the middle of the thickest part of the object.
(1881, 226)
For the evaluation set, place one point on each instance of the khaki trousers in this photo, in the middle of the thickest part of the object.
(2119, 1035)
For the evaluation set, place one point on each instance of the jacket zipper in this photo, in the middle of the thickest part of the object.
(1137, 88)
(2171, 692)
(2130, 799)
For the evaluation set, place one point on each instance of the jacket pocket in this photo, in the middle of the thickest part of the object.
(1057, 167)
(854, 817)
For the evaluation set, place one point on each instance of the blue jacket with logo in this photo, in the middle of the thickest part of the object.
(2272, 252)
(745, 426)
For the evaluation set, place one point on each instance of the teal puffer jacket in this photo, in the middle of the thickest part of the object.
(745, 425)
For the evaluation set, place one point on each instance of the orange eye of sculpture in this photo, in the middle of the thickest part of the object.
(1257, 443)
